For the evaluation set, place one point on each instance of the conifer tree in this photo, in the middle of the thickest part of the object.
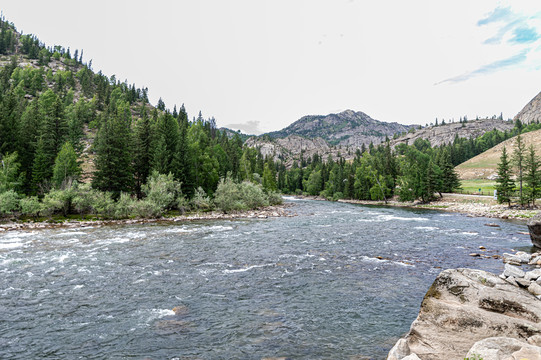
(518, 160)
(142, 152)
(532, 175)
(65, 167)
(113, 153)
(504, 185)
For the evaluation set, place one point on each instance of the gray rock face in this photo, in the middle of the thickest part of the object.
(531, 112)
(534, 225)
(511, 270)
(438, 135)
(504, 348)
(464, 306)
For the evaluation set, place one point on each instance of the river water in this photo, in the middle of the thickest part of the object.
(303, 287)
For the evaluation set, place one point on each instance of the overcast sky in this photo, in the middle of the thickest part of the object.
(260, 65)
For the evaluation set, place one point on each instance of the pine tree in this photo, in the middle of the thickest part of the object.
(532, 177)
(504, 185)
(518, 160)
(65, 166)
(113, 153)
(142, 152)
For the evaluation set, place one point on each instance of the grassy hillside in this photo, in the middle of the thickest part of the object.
(486, 164)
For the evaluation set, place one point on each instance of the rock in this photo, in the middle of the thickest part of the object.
(475, 254)
(482, 247)
(533, 275)
(492, 225)
(412, 357)
(399, 351)
(534, 226)
(523, 282)
(535, 340)
(535, 288)
(500, 348)
(535, 260)
(464, 306)
(520, 257)
(511, 270)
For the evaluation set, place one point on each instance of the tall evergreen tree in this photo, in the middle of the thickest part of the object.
(114, 153)
(142, 152)
(66, 167)
(518, 161)
(532, 176)
(504, 185)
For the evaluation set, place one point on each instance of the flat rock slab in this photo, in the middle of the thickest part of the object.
(464, 306)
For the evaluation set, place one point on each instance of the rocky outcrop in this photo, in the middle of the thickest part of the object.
(444, 134)
(534, 226)
(464, 307)
(290, 148)
(348, 129)
(504, 348)
(531, 112)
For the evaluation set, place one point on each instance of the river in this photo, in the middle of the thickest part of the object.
(303, 287)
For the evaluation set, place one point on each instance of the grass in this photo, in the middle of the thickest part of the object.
(473, 186)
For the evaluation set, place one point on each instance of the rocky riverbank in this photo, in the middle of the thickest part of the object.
(473, 314)
(471, 205)
(283, 210)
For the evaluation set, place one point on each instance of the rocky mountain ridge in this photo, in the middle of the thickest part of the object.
(347, 129)
(531, 112)
(444, 134)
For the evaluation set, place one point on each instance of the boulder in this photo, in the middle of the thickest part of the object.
(533, 275)
(534, 226)
(535, 289)
(464, 306)
(511, 270)
(519, 258)
(504, 348)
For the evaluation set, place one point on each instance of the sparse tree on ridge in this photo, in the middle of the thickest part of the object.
(532, 176)
(518, 161)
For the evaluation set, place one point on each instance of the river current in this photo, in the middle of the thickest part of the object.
(303, 287)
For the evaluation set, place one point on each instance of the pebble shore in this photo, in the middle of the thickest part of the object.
(264, 213)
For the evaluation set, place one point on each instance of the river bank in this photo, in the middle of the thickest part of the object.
(470, 205)
(283, 210)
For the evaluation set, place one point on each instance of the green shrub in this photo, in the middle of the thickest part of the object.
(228, 196)
(9, 202)
(201, 201)
(125, 206)
(58, 201)
(162, 190)
(147, 209)
(30, 206)
(183, 204)
(253, 195)
(275, 198)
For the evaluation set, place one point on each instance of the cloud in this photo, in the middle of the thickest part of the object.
(250, 127)
(524, 34)
(489, 68)
(499, 14)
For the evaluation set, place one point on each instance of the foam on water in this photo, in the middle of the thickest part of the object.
(10, 245)
(71, 233)
(427, 228)
(245, 269)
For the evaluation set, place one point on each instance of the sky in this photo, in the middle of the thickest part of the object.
(258, 65)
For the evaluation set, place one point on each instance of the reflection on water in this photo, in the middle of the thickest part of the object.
(337, 281)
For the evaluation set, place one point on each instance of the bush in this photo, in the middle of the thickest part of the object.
(30, 206)
(201, 201)
(58, 201)
(183, 204)
(147, 209)
(275, 198)
(9, 202)
(253, 195)
(88, 200)
(125, 206)
(228, 196)
(162, 190)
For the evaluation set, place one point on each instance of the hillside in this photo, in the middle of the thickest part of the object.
(347, 129)
(288, 149)
(485, 165)
(531, 112)
(445, 134)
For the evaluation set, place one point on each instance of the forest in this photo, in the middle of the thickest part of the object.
(77, 142)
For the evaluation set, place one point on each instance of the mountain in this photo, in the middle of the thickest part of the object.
(444, 134)
(347, 129)
(485, 165)
(531, 112)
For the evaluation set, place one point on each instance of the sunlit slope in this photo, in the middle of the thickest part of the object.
(486, 164)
